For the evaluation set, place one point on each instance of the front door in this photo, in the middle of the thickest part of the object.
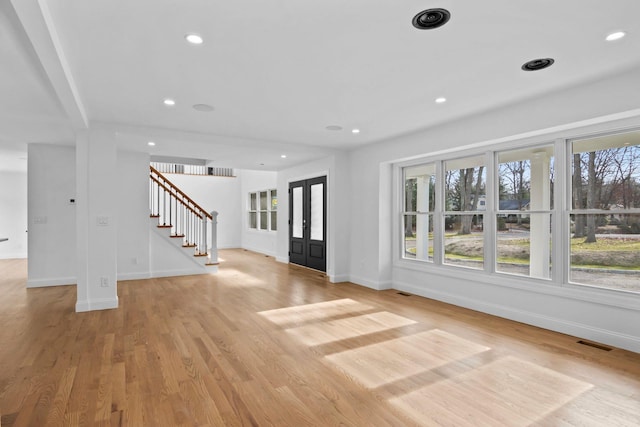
(308, 223)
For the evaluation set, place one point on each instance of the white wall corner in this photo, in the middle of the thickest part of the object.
(338, 278)
(284, 260)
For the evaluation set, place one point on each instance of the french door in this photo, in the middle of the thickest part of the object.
(308, 223)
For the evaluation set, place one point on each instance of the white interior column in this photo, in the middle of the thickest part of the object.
(422, 221)
(540, 226)
(96, 236)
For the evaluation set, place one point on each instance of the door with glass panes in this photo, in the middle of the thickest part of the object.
(307, 223)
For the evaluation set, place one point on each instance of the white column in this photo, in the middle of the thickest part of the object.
(422, 221)
(213, 252)
(96, 207)
(540, 232)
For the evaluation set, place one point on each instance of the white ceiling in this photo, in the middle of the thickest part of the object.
(278, 73)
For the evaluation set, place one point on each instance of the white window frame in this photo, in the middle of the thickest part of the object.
(559, 283)
(258, 211)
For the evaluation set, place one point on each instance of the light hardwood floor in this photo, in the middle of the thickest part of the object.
(267, 344)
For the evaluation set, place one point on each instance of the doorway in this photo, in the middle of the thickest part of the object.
(308, 223)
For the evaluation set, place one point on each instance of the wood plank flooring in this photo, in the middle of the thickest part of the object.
(268, 344)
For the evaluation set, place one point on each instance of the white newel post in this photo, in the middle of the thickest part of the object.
(213, 252)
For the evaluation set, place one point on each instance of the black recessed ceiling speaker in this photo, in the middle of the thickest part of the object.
(431, 18)
(538, 64)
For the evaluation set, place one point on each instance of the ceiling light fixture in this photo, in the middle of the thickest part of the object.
(537, 64)
(284, 156)
(151, 143)
(441, 100)
(355, 130)
(616, 36)
(205, 108)
(194, 39)
(431, 18)
(169, 102)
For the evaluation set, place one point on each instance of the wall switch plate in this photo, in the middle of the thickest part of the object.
(102, 220)
(104, 282)
(39, 219)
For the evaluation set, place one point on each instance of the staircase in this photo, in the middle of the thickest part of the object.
(176, 217)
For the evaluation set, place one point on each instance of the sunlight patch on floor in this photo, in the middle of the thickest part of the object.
(350, 327)
(311, 312)
(508, 391)
(239, 279)
(378, 364)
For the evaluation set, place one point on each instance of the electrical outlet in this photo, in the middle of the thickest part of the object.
(104, 281)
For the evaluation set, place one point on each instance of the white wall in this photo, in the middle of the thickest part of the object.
(13, 214)
(215, 193)
(338, 198)
(598, 107)
(258, 240)
(133, 215)
(51, 218)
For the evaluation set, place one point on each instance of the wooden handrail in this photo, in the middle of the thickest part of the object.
(174, 187)
(161, 185)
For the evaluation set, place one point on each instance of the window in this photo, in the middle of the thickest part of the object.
(605, 212)
(525, 184)
(419, 203)
(263, 210)
(465, 189)
(508, 212)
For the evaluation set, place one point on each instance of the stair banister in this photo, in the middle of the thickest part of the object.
(186, 219)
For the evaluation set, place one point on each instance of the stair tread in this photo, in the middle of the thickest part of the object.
(177, 235)
(164, 226)
(189, 245)
(205, 254)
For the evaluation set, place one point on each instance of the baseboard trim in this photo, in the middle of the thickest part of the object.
(260, 251)
(96, 304)
(627, 342)
(183, 272)
(56, 281)
(284, 260)
(378, 286)
(339, 278)
(134, 276)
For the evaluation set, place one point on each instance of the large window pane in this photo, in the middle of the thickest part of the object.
(274, 221)
(521, 251)
(612, 259)
(317, 212)
(418, 244)
(465, 188)
(296, 226)
(526, 179)
(464, 249)
(253, 205)
(263, 221)
(253, 220)
(420, 188)
(263, 200)
(606, 172)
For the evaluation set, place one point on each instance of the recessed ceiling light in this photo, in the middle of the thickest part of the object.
(431, 18)
(169, 102)
(151, 143)
(194, 39)
(616, 36)
(441, 100)
(355, 130)
(206, 108)
(333, 127)
(284, 156)
(537, 64)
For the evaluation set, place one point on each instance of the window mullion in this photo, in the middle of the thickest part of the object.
(438, 217)
(489, 220)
